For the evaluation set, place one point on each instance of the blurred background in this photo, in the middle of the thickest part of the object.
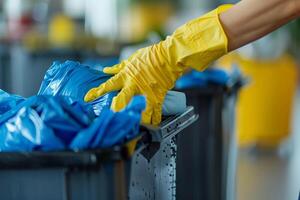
(34, 33)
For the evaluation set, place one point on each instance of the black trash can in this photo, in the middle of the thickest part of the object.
(64, 175)
(96, 174)
(154, 167)
(207, 151)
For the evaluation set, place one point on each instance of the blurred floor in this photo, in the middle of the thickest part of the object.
(271, 175)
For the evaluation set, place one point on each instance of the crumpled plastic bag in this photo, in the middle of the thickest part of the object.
(112, 127)
(72, 79)
(8, 101)
(196, 79)
(49, 123)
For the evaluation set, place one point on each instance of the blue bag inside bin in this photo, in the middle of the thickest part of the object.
(8, 101)
(74, 80)
(57, 118)
(113, 127)
(49, 123)
(196, 79)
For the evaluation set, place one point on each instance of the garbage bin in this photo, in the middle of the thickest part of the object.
(154, 167)
(94, 174)
(207, 152)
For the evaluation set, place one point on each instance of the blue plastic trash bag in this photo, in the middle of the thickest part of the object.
(196, 79)
(8, 101)
(73, 79)
(49, 123)
(113, 128)
(43, 123)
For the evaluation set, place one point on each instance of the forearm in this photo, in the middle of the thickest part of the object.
(251, 19)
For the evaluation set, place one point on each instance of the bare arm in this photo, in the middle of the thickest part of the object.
(251, 19)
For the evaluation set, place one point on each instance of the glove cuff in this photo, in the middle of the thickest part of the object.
(198, 42)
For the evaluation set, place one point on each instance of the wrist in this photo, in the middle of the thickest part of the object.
(297, 7)
(294, 6)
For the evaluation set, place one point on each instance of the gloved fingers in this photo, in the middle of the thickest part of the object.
(147, 114)
(114, 69)
(156, 116)
(123, 98)
(91, 95)
(112, 84)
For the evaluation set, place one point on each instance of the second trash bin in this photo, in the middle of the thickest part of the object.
(207, 153)
(154, 167)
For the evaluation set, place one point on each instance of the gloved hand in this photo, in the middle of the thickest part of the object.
(153, 70)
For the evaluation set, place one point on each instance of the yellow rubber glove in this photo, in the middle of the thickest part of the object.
(153, 70)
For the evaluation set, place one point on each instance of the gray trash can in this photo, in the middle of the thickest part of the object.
(207, 151)
(97, 174)
(154, 167)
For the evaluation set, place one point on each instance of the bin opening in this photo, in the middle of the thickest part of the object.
(95, 157)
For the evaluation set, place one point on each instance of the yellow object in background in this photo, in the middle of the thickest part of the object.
(61, 31)
(143, 18)
(264, 107)
(34, 40)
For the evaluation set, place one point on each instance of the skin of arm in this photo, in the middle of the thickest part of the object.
(250, 20)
